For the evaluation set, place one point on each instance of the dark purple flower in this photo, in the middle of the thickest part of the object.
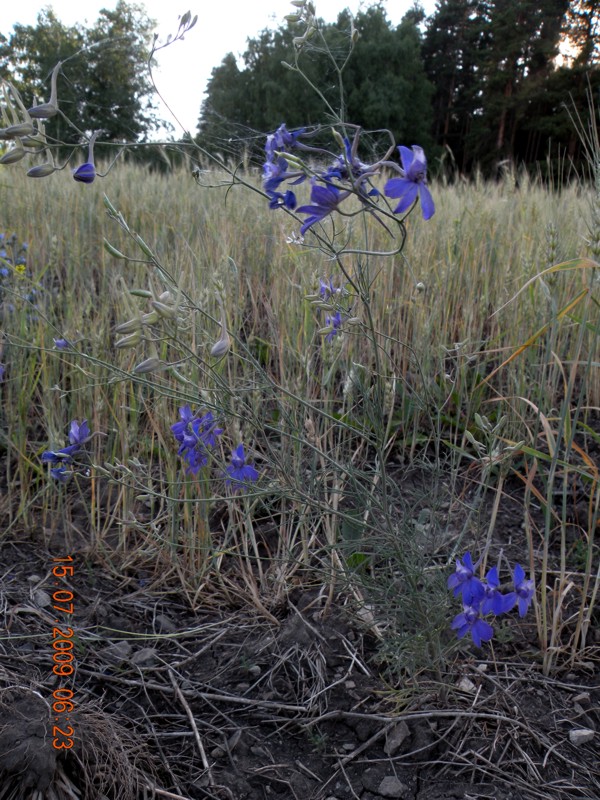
(464, 582)
(324, 200)
(240, 473)
(277, 199)
(470, 622)
(327, 289)
(79, 434)
(2, 372)
(494, 602)
(281, 140)
(524, 590)
(335, 324)
(413, 183)
(196, 435)
(86, 173)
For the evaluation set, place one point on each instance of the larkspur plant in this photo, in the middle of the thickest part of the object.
(341, 187)
(483, 598)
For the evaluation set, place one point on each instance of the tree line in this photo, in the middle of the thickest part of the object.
(478, 83)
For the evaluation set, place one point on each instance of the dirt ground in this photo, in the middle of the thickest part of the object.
(178, 699)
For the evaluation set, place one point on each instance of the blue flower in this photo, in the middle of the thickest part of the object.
(62, 344)
(325, 199)
(524, 590)
(277, 199)
(86, 173)
(413, 183)
(79, 433)
(464, 582)
(469, 621)
(494, 602)
(281, 140)
(196, 435)
(327, 289)
(240, 473)
(335, 324)
(2, 372)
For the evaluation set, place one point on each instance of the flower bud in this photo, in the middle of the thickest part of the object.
(141, 293)
(86, 173)
(41, 171)
(33, 143)
(165, 297)
(151, 318)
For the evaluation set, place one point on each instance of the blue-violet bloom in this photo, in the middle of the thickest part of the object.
(464, 582)
(324, 200)
(413, 183)
(470, 622)
(240, 472)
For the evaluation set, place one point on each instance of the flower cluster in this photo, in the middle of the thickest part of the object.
(197, 435)
(482, 598)
(79, 434)
(345, 175)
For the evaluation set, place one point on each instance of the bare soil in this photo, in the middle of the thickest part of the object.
(182, 697)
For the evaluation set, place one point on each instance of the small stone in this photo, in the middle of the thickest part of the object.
(583, 699)
(117, 652)
(350, 685)
(218, 752)
(395, 738)
(255, 670)
(165, 624)
(41, 598)
(145, 657)
(466, 685)
(581, 736)
(348, 746)
(392, 787)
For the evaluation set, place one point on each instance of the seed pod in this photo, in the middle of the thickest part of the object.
(129, 341)
(168, 312)
(151, 318)
(41, 171)
(130, 326)
(149, 365)
(113, 250)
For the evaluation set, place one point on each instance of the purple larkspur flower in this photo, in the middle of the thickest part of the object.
(494, 602)
(469, 621)
(86, 173)
(62, 344)
(196, 436)
(281, 140)
(413, 182)
(334, 322)
(524, 590)
(240, 472)
(79, 433)
(463, 581)
(324, 200)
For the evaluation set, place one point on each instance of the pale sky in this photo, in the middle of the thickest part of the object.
(223, 26)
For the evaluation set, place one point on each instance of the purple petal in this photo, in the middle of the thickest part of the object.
(427, 204)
